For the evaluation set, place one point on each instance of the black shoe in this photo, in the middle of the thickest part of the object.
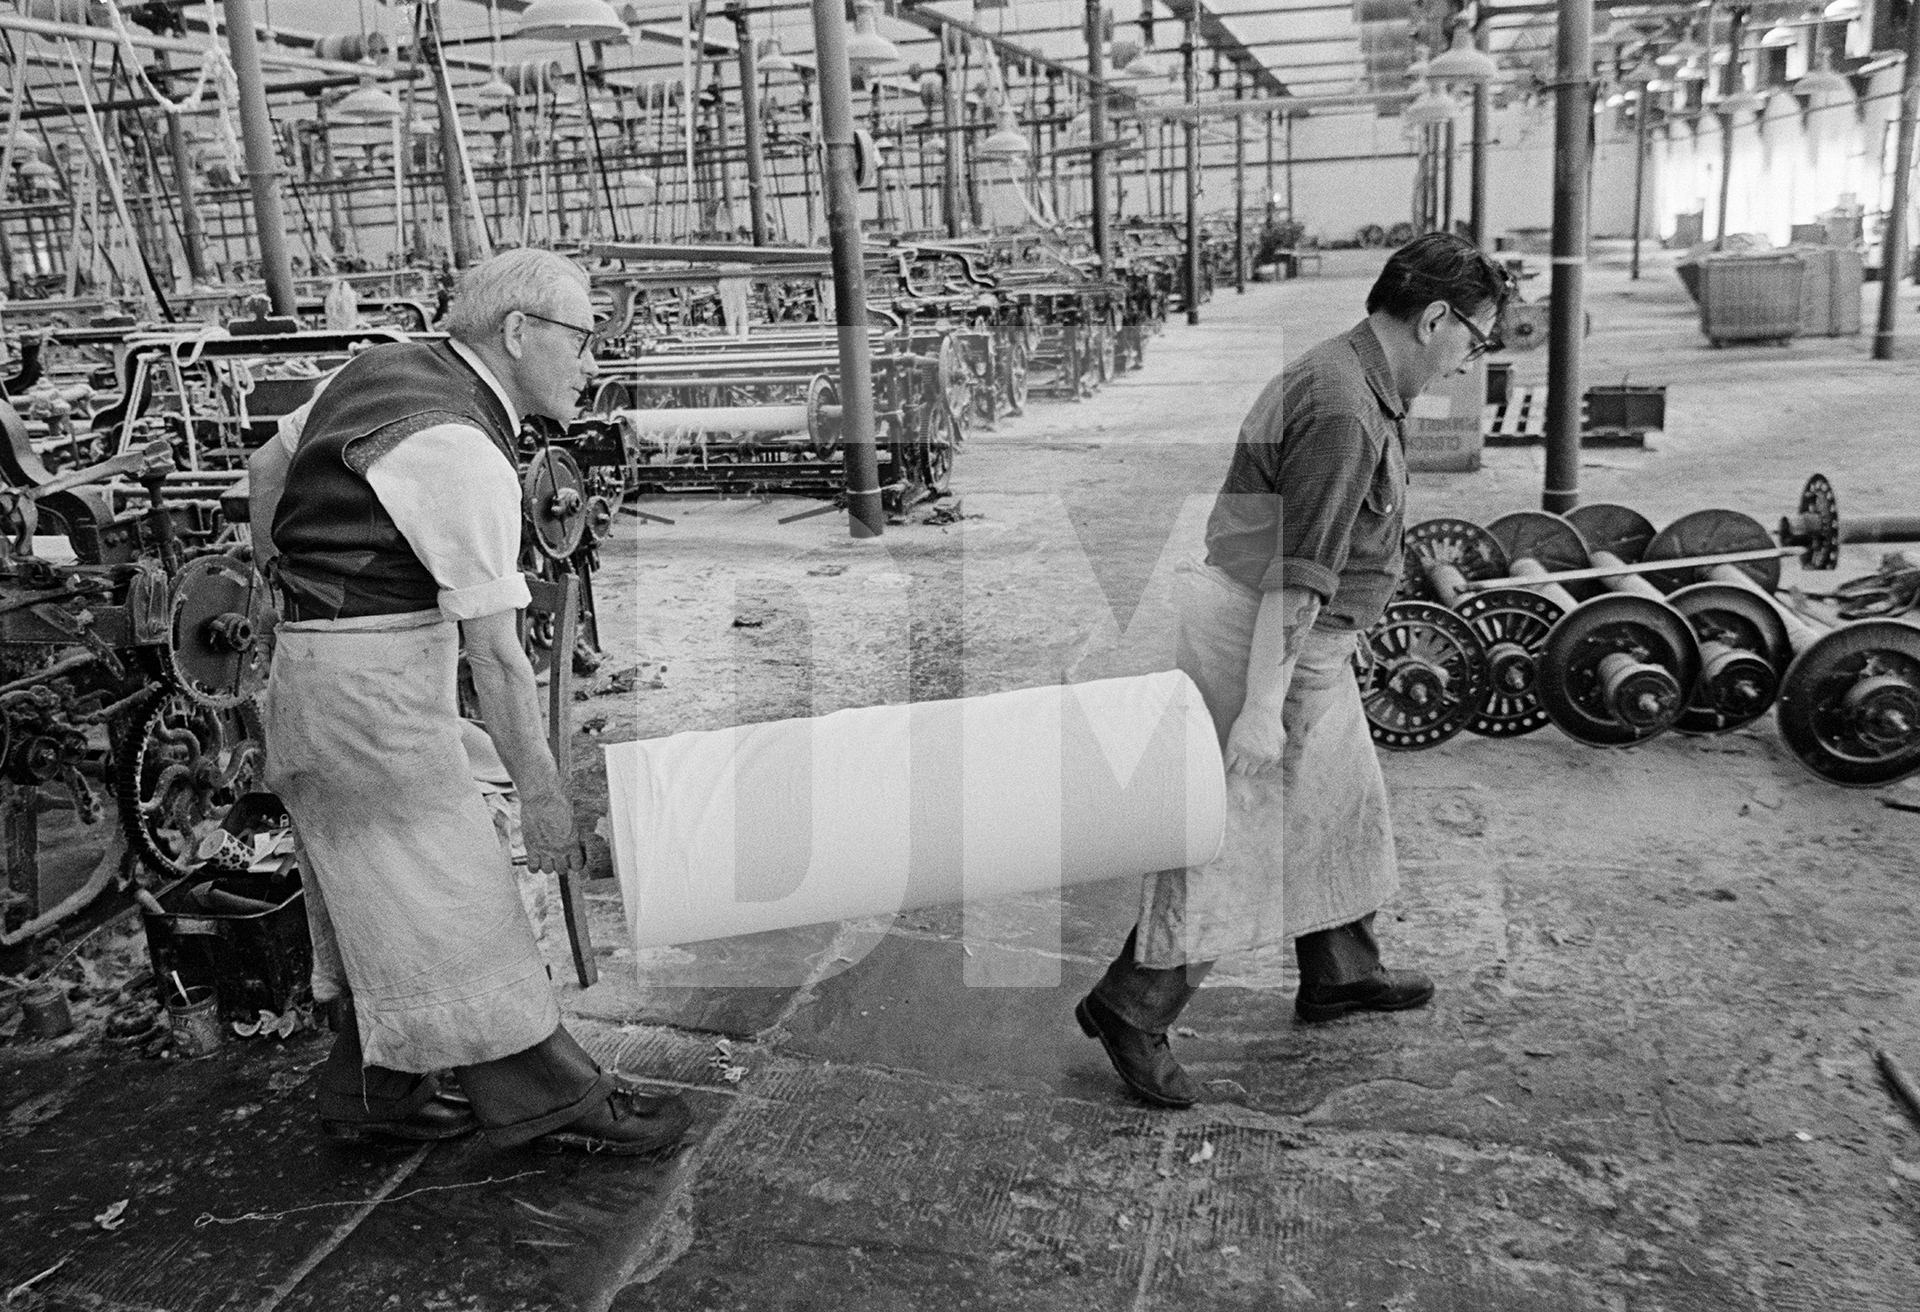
(629, 1124)
(1384, 990)
(434, 1120)
(1143, 1061)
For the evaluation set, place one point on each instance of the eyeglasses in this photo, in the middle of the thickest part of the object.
(586, 334)
(1482, 342)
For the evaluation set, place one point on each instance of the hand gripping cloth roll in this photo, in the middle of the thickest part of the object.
(881, 809)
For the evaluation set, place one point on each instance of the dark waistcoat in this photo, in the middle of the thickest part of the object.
(342, 556)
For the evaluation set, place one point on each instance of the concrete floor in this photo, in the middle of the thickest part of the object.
(1645, 1083)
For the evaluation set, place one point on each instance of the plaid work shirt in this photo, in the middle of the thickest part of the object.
(1315, 496)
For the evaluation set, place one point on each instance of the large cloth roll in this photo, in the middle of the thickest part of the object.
(881, 809)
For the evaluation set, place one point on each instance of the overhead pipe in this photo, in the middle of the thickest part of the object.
(13, 22)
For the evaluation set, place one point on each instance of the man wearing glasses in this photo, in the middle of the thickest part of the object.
(387, 511)
(1303, 555)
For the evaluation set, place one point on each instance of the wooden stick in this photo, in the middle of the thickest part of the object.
(1901, 1081)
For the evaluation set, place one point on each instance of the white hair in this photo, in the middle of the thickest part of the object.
(526, 279)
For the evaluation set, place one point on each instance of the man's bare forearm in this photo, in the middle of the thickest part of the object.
(510, 704)
(1286, 618)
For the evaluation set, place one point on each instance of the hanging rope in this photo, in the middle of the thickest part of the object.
(112, 176)
(19, 96)
(211, 58)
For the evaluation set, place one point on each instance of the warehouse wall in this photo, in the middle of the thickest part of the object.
(1355, 169)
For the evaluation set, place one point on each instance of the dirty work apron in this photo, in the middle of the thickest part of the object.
(1308, 850)
(407, 876)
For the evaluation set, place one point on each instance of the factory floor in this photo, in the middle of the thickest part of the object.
(1646, 1082)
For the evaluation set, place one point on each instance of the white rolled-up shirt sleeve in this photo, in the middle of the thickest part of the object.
(456, 500)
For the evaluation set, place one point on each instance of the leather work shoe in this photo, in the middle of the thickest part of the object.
(629, 1124)
(1384, 990)
(434, 1120)
(1143, 1061)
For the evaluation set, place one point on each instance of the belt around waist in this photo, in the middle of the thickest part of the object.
(294, 611)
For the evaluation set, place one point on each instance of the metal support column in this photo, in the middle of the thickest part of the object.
(1189, 52)
(1271, 199)
(1572, 151)
(1639, 177)
(459, 236)
(1449, 146)
(1097, 129)
(1893, 243)
(1739, 21)
(263, 162)
(750, 112)
(1477, 154)
(1239, 190)
(953, 186)
(865, 518)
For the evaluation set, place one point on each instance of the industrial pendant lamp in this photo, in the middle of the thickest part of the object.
(1006, 141)
(494, 92)
(1431, 106)
(366, 103)
(1145, 67)
(868, 51)
(1778, 36)
(1843, 10)
(1462, 63)
(1823, 81)
(570, 21)
(1742, 101)
(773, 59)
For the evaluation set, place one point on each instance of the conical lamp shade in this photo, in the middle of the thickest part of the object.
(1823, 82)
(1742, 101)
(1840, 10)
(1431, 106)
(366, 103)
(1777, 36)
(774, 59)
(867, 50)
(494, 93)
(1463, 63)
(570, 21)
(1006, 141)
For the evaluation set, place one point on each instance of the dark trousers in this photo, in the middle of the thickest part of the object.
(1152, 1000)
(515, 1098)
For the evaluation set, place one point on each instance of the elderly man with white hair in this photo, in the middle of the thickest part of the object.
(387, 512)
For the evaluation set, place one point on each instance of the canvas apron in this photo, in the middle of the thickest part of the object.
(1307, 848)
(409, 890)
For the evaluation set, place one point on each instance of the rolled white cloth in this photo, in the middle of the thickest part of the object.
(877, 810)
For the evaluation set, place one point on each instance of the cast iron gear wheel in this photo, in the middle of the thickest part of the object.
(178, 768)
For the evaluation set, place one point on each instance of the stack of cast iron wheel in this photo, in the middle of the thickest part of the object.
(1615, 633)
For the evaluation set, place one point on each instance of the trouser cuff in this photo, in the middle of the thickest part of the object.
(1148, 999)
